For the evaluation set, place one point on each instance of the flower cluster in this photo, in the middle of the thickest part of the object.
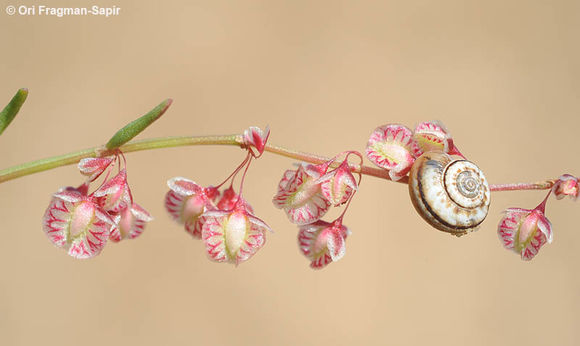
(81, 222)
(223, 220)
(525, 231)
(306, 194)
(395, 147)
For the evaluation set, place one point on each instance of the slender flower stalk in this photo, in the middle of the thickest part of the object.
(231, 140)
(541, 185)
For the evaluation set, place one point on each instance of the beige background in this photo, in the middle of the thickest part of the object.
(502, 75)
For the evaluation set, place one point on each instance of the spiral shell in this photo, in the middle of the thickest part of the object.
(451, 194)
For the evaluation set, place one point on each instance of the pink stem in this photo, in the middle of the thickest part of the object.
(542, 206)
(236, 171)
(542, 185)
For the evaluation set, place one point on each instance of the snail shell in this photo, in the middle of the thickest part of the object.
(451, 194)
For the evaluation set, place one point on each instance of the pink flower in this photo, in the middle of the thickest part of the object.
(255, 137)
(525, 231)
(432, 136)
(395, 147)
(392, 147)
(129, 223)
(338, 185)
(232, 236)
(567, 185)
(229, 200)
(115, 194)
(300, 195)
(322, 242)
(186, 201)
(74, 222)
(94, 167)
(83, 189)
(82, 223)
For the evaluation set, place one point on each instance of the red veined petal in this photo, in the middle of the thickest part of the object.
(232, 236)
(338, 185)
(80, 227)
(310, 211)
(301, 198)
(432, 136)
(322, 242)
(392, 147)
(94, 166)
(130, 223)
(115, 195)
(509, 225)
(254, 136)
(184, 186)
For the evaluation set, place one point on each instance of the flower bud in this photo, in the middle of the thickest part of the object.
(567, 185)
(255, 137)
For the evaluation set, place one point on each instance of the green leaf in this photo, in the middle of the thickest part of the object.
(10, 111)
(137, 126)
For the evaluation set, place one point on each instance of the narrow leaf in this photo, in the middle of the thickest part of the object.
(10, 111)
(137, 126)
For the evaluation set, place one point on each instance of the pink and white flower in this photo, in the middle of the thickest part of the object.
(323, 242)
(74, 222)
(255, 137)
(300, 194)
(338, 185)
(567, 185)
(432, 136)
(93, 167)
(186, 201)
(83, 189)
(232, 236)
(115, 194)
(129, 223)
(525, 231)
(395, 147)
(229, 200)
(392, 147)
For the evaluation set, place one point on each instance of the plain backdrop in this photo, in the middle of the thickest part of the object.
(502, 75)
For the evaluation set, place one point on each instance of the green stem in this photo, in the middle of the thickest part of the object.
(146, 144)
(166, 142)
(233, 140)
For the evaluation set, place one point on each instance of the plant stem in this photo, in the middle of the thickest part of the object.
(146, 144)
(541, 185)
(316, 159)
(233, 140)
